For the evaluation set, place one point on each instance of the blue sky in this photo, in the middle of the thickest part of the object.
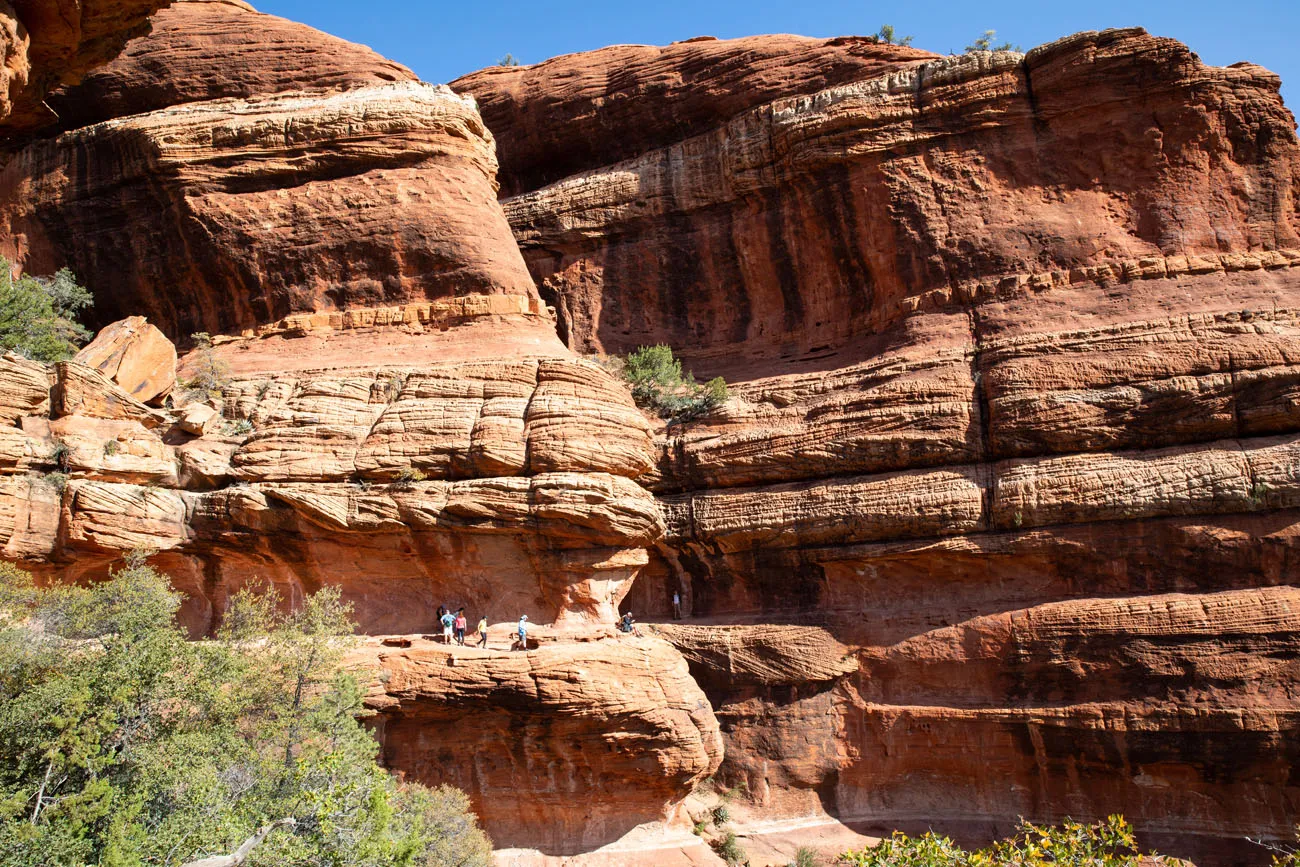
(441, 40)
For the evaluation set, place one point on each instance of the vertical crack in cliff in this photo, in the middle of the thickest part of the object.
(980, 403)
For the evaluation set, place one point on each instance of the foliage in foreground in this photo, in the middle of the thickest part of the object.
(122, 743)
(1109, 843)
(1284, 855)
(38, 315)
(659, 384)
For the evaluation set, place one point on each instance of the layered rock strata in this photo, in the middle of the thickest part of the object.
(382, 404)
(1000, 519)
(505, 486)
(1011, 339)
(299, 175)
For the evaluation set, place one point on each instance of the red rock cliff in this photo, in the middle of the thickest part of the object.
(259, 169)
(1001, 518)
(1012, 344)
(397, 418)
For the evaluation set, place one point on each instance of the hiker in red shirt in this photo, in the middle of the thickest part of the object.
(461, 625)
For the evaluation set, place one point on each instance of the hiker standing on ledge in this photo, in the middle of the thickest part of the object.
(448, 621)
(461, 625)
(482, 632)
(523, 631)
(677, 605)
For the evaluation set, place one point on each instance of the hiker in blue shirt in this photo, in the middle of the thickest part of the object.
(448, 620)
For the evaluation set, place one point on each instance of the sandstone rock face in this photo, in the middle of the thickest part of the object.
(616, 726)
(46, 43)
(811, 220)
(1000, 517)
(199, 50)
(303, 175)
(583, 111)
(506, 486)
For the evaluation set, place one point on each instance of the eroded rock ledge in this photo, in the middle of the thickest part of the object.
(601, 736)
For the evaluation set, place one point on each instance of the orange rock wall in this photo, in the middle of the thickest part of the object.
(1012, 350)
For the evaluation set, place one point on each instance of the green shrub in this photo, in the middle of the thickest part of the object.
(886, 36)
(985, 43)
(60, 452)
(111, 447)
(721, 815)
(728, 849)
(1284, 854)
(659, 384)
(408, 476)
(124, 743)
(508, 60)
(1109, 843)
(805, 857)
(56, 480)
(238, 427)
(392, 387)
(38, 315)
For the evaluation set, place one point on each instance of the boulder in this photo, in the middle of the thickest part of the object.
(198, 418)
(208, 123)
(135, 355)
(82, 390)
(24, 388)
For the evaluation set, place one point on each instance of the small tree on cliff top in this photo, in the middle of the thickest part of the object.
(985, 43)
(887, 36)
(122, 743)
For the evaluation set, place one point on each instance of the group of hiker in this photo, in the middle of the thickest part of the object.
(454, 625)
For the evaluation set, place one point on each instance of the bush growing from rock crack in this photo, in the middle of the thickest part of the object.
(408, 476)
(38, 315)
(728, 849)
(209, 375)
(659, 384)
(123, 743)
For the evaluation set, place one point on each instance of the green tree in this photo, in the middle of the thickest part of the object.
(508, 60)
(659, 384)
(38, 315)
(122, 743)
(887, 36)
(985, 43)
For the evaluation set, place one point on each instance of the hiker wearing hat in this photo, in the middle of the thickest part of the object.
(523, 631)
